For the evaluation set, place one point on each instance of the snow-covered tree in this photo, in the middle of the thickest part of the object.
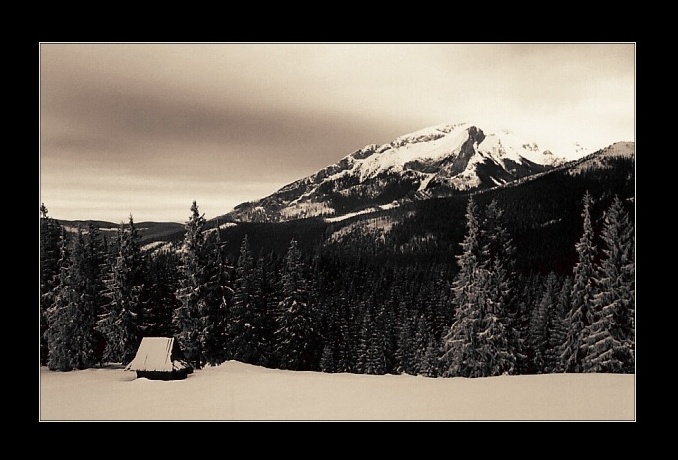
(497, 338)
(540, 330)
(609, 339)
(119, 323)
(578, 317)
(425, 353)
(97, 268)
(50, 233)
(557, 329)
(480, 342)
(460, 353)
(219, 296)
(529, 291)
(386, 321)
(405, 361)
(296, 337)
(190, 318)
(248, 316)
(371, 346)
(59, 334)
(335, 338)
(72, 317)
(162, 271)
(85, 285)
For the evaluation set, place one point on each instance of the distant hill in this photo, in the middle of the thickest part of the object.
(149, 231)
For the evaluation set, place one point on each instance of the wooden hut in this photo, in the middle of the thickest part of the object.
(160, 358)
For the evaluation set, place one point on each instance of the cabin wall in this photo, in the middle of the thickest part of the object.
(160, 375)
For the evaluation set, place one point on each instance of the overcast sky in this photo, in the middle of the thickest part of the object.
(148, 128)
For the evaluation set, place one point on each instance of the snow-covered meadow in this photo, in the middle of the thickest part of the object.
(237, 391)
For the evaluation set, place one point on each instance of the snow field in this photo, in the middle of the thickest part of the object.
(237, 391)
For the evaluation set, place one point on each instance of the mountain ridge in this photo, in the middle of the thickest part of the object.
(435, 161)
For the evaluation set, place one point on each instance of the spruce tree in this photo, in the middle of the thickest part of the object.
(497, 338)
(530, 296)
(557, 327)
(424, 356)
(190, 318)
(97, 269)
(59, 334)
(269, 292)
(386, 319)
(460, 353)
(578, 317)
(50, 234)
(372, 358)
(247, 321)
(72, 317)
(540, 332)
(480, 342)
(85, 284)
(218, 300)
(609, 339)
(331, 336)
(296, 335)
(405, 361)
(335, 319)
(120, 320)
(162, 269)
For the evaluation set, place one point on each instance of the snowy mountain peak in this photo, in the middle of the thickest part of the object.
(434, 161)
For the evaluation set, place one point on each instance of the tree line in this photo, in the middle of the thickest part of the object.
(337, 311)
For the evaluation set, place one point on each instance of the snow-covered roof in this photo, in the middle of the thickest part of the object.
(154, 354)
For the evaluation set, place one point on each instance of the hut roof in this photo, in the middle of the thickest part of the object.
(154, 354)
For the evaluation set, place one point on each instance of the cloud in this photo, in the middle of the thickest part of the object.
(272, 113)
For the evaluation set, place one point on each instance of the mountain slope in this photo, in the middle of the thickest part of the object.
(432, 162)
(542, 212)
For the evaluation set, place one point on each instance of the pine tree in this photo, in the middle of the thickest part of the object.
(190, 318)
(97, 269)
(405, 340)
(331, 335)
(120, 323)
(268, 294)
(386, 319)
(440, 305)
(335, 319)
(578, 317)
(371, 346)
(50, 233)
(218, 300)
(247, 322)
(162, 270)
(460, 355)
(540, 332)
(529, 297)
(497, 335)
(72, 316)
(424, 356)
(85, 284)
(480, 342)
(58, 335)
(609, 339)
(296, 335)
(557, 327)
